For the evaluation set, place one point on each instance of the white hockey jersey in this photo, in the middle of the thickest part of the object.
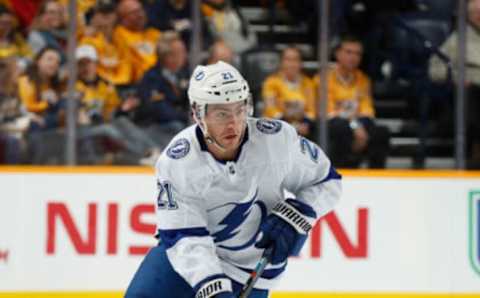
(209, 211)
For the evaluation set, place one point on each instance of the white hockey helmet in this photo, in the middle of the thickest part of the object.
(218, 83)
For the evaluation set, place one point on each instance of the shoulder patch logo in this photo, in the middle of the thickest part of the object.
(269, 126)
(199, 76)
(179, 149)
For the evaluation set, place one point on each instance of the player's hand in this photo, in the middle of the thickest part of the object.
(283, 236)
(279, 235)
(224, 295)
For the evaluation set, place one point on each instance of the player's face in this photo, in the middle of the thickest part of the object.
(226, 123)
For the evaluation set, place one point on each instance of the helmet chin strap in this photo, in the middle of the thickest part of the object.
(208, 138)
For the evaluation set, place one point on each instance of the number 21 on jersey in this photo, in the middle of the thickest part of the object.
(165, 198)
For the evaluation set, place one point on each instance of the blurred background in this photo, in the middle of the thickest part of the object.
(377, 84)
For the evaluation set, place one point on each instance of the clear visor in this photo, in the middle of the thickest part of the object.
(246, 109)
(225, 113)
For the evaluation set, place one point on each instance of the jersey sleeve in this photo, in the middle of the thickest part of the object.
(311, 177)
(182, 228)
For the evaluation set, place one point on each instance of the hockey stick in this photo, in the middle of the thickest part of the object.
(248, 287)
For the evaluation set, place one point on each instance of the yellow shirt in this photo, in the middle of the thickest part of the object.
(82, 5)
(113, 65)
(19, 48)
(277, 91)
(29, 97)
(82, 8)
(140, 46)
(355, 95)
(217, 17)
(98, 98)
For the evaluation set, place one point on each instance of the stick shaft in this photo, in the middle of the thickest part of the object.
(255, 275)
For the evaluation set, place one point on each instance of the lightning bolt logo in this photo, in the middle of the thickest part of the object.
(234, 219)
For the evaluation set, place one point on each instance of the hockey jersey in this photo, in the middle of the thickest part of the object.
(209, 211)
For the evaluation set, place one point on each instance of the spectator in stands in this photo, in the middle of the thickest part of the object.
(99, 104)
(225, 21)
(132, 36)
(24, 10)
(114, 65)
(438, 72)
(40, 91)
(289, 95)
(220, 51)
(353, 134)
(163, 90)
(13, 119)
(98, 98)
(12, 43)
(167, 15)
(49, 27)
(83, 6)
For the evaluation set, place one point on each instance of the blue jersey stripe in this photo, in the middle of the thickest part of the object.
(332, 174)
(170, 237)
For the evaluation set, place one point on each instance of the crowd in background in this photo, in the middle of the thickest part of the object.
(132, 76)
(133, 71)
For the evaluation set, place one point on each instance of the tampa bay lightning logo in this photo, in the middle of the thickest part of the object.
(200, 75)
(269, 126)
(179, 149)
(233, 221)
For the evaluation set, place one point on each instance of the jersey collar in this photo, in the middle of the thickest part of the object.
(203, 144)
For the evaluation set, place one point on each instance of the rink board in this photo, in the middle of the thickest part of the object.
(82, 232)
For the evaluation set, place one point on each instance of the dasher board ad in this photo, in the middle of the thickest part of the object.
(88, 232)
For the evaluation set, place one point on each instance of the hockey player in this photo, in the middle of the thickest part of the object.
(221, 195)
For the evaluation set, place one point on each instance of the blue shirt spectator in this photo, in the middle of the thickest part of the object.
(162, 90)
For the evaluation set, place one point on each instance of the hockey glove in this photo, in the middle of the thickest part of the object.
(220, 287)
(286, 229)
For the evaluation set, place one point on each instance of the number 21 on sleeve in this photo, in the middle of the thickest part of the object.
(165, 198)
